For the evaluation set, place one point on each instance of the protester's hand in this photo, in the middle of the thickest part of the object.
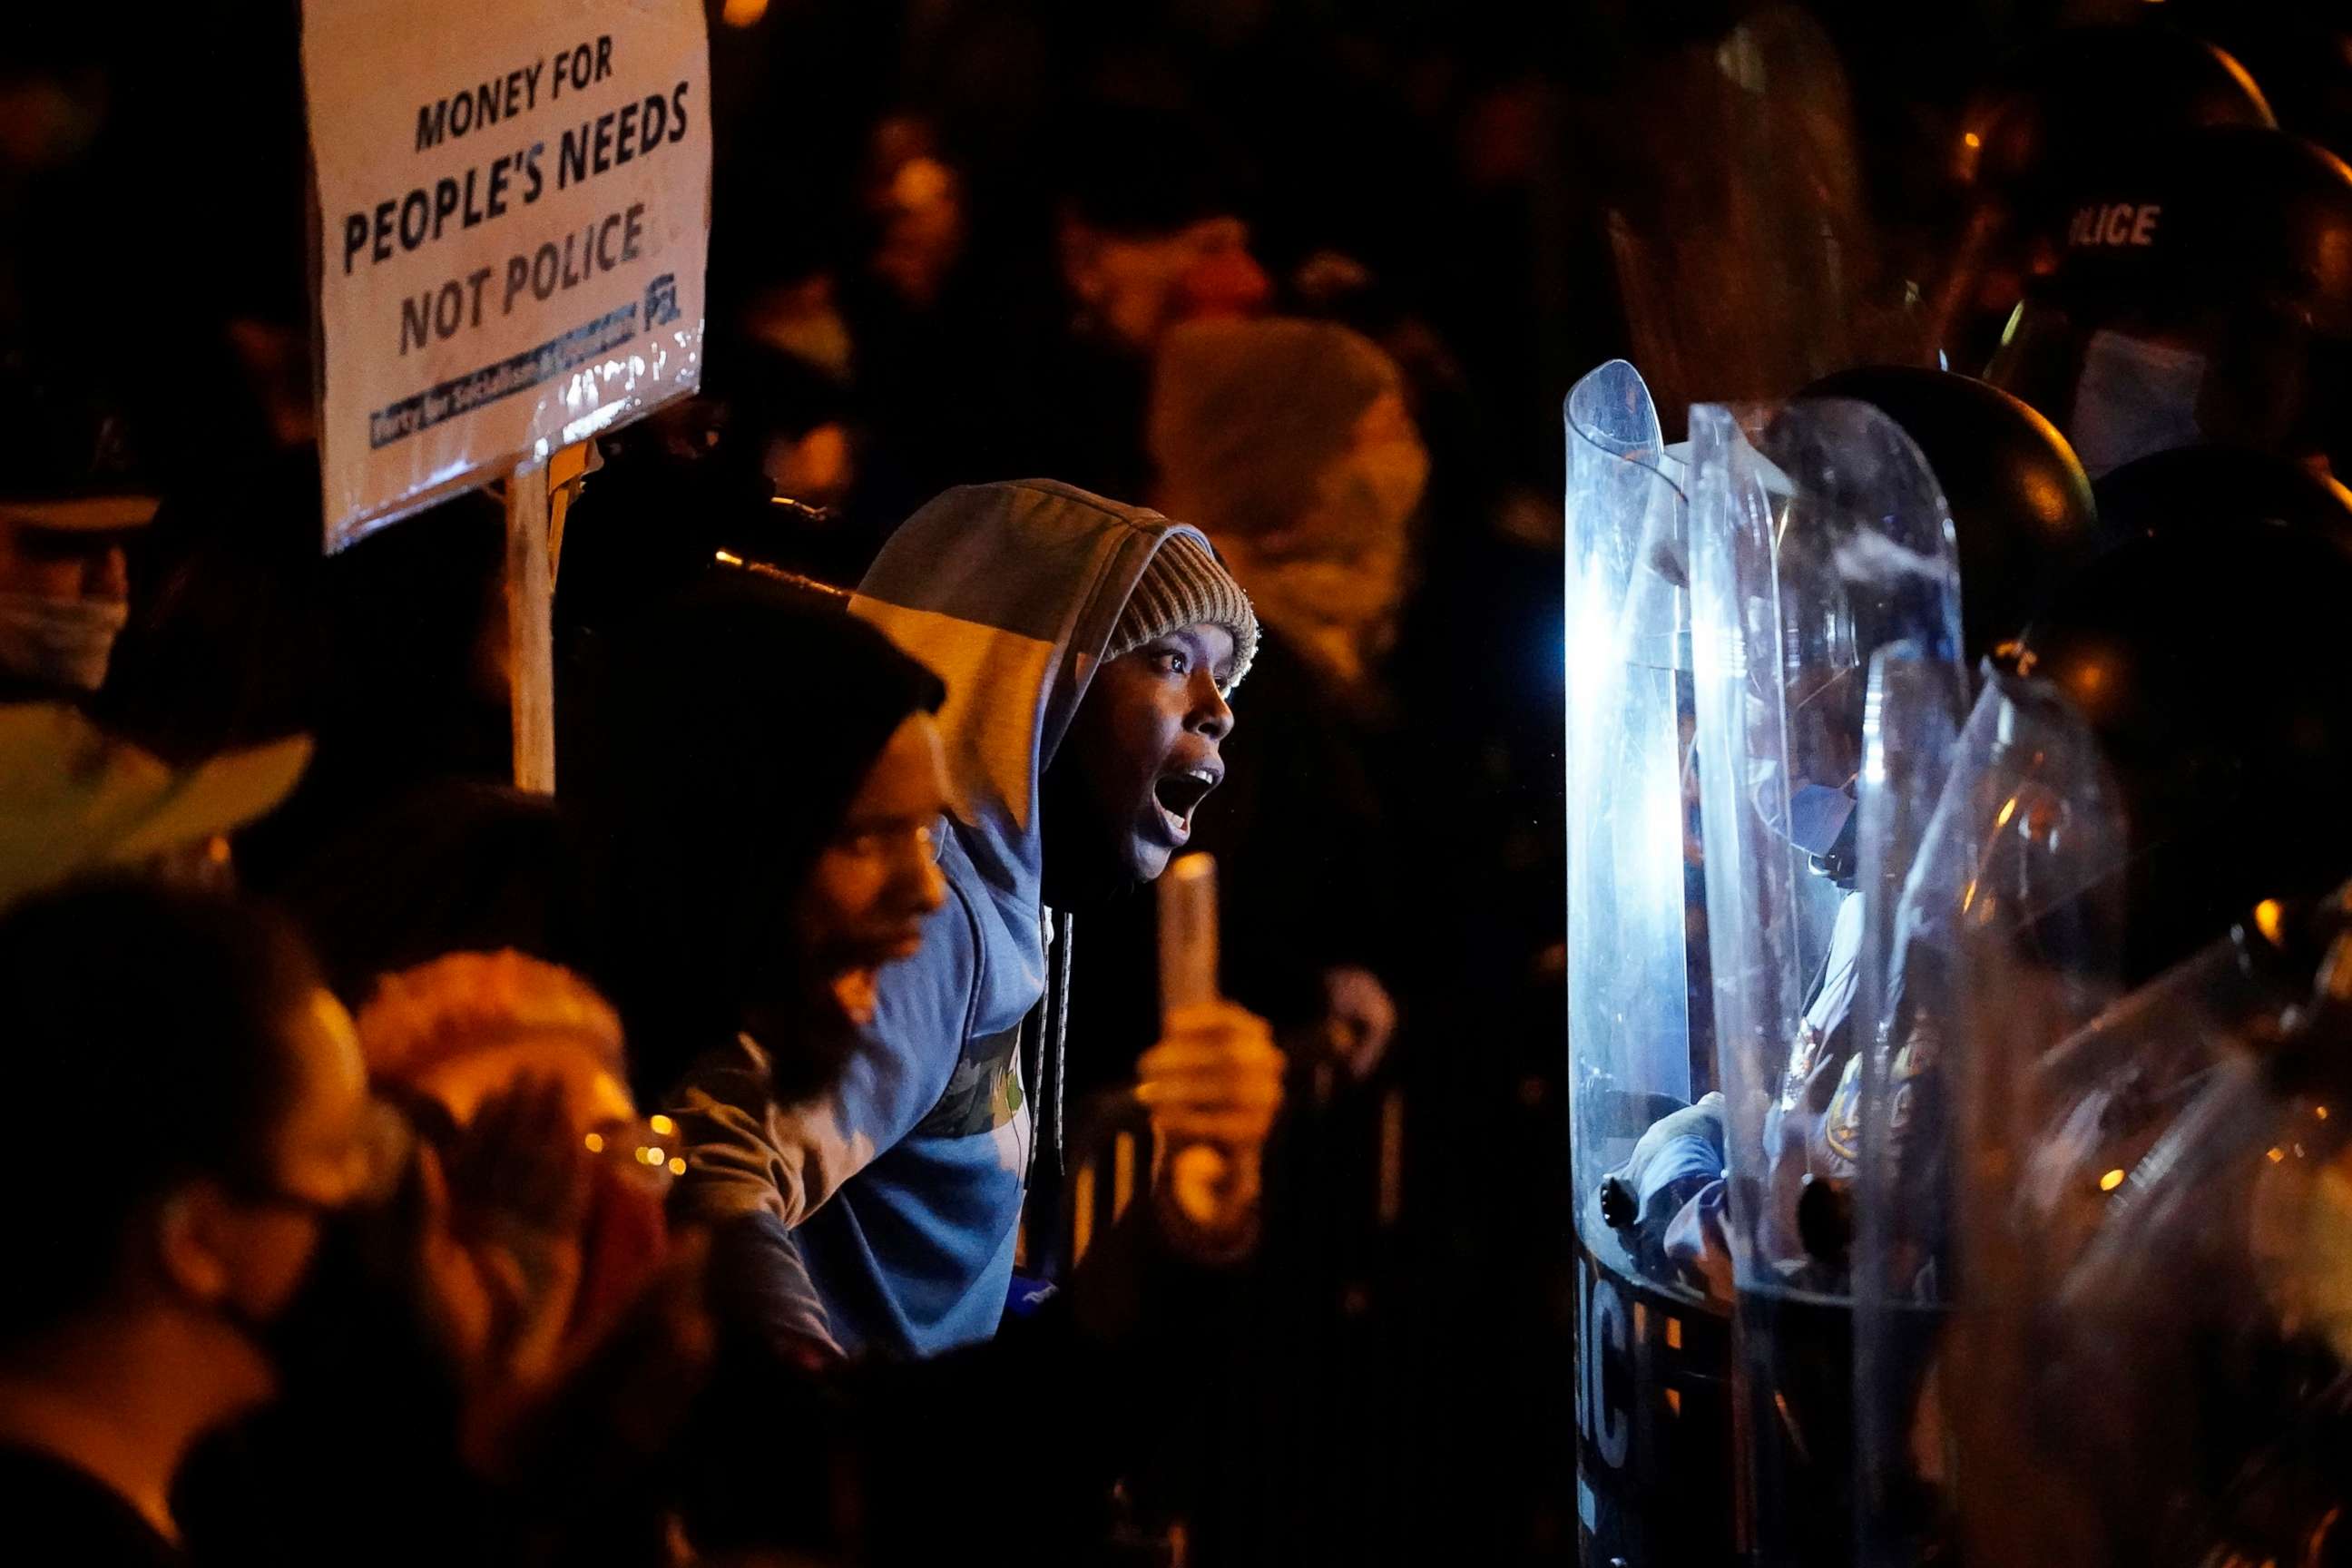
(1213, 1088)
(517, 1181)
(457, 1296)
(516, 1170)
(1359, 1019)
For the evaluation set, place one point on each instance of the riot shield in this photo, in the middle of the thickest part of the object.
(1654, 1482)
(1820, 541)
(2094, 1235)
(1993, 856)
(2148, 1363)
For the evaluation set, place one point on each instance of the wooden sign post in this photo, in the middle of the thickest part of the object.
(530, 630)
(512, 212)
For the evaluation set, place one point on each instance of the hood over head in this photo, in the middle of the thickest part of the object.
(1011, 592)
(738, 719)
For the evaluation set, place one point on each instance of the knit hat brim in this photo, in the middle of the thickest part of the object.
(1186, 586)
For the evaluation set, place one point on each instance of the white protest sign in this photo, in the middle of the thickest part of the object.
(513, 210)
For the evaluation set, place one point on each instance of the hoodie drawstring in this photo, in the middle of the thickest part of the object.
(1053, 1020)
(1061, 969)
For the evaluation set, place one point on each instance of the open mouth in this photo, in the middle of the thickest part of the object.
(1177, 794)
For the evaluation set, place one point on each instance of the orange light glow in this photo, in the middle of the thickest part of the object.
(1082, 1214)
(1122, 1174)
(2111, 1181)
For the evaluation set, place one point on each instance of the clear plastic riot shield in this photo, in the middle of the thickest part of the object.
(1910, 730)
(1992, 856)
(2093, 1235)
(1653, 1469)
(1820, 540)
(2147, 1360)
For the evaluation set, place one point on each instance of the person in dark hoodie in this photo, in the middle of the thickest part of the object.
(1088, 649)
(759, 824)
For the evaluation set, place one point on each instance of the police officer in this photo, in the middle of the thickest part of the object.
(1817, 545)
(2023, 515)
(2005, 510)
(2071, 101)
(2200, 290)
(2119, 798)
(2023, 519)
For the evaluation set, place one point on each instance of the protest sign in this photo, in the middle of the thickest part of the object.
(512, 213)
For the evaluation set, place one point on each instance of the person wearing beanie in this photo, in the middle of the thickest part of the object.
(1289, 444)
(1186, 586)
(1088, 650)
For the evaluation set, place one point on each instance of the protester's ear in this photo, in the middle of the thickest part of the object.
(192, 1227)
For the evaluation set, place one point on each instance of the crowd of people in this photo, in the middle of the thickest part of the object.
(1120, 437)
(692, 1166)
(418, 1272)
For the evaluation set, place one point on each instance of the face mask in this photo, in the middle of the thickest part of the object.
(2134, 397)
(1817, 807)
(1817, 813)
(57, 642)
(333, 1319)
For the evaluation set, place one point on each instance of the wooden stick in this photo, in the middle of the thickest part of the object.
(530, 628)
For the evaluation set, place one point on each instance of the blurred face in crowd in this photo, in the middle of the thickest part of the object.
(878, 878)
(1373, 488)
(1137, 286)
(64, 597)
(921, 211)
(243, 1249)
(466, 1026)
(61, 563)
(1140, 756)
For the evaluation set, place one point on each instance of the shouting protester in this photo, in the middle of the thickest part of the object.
(1088, 649)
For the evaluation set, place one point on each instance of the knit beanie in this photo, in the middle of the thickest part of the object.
(1185, 585)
